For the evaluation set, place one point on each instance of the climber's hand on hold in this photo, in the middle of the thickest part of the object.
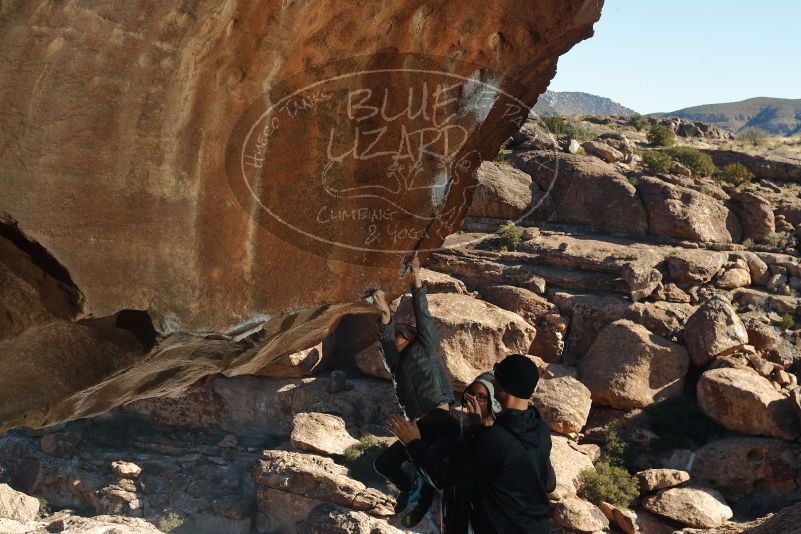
(380, 301)
(415, 268)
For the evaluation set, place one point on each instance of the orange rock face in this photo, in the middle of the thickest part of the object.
(231, 166)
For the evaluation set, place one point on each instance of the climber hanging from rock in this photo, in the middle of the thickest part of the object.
(505, 467)
(411, 355)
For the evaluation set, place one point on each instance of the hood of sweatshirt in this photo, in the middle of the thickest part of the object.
(526, 425)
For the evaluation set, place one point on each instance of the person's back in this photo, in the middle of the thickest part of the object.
(512, 496)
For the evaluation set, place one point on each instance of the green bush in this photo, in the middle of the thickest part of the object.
(754, 136)
(500, 156)
(780, 240)
(692, 158)
(170, 522)
(572, 128)
(614, 449)
(510, 235)
(638, 122)
(609, 483)
(359, 459)
(736, 174)
(787, 322)
(656, 161)
(555, 124)
(44, 508)
(660, 135)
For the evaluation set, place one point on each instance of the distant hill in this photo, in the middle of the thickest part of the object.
(575, 103)
(780, 116)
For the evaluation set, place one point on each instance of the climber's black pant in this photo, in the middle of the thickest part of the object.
(389, 464)
(440, 430)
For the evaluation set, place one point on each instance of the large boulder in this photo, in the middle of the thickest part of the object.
(563, 402)
(684, 213)
(474, 335)
(503, 192)
(769, 343)
(320, 433)
(590, 313)
(240, 200)
(694, 266)
(568, 461)
(623, 518)
(259, 407)
(760, 273)
(772, 167)
(694, 507)
(786, 520)
(629, 367)
(441, 283)
(641, 277)
(538, 311)
(756, 215)
(66, 521)
(317, 478)
(740, 399)
(734, 278)
(657, 479)
(713, 330)
(16, 505)
(569, 186)
(752, 469)
(332, 519)
(580, 515)
(603, 151)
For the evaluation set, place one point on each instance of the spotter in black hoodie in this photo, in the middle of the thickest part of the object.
(505, 468)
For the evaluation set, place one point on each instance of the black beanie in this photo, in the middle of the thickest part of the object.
(518, 375)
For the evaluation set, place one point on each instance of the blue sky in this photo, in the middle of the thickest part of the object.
(663, 56)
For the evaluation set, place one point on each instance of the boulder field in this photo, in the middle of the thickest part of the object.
(186, 338)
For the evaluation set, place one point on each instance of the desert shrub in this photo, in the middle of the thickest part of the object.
(500, 156)
(579, 131)
(608, 483)
(359, 459)
(510, 235)
(638, 122)
(680, 423)
(699, 163)
(780, 240)
(787, 322)
(554, 124)
(752, 136)
(44, 508)
(660, 135)
(656, 161)
(614, 448)
(572, 128)
(736, 174)
(170, 522)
